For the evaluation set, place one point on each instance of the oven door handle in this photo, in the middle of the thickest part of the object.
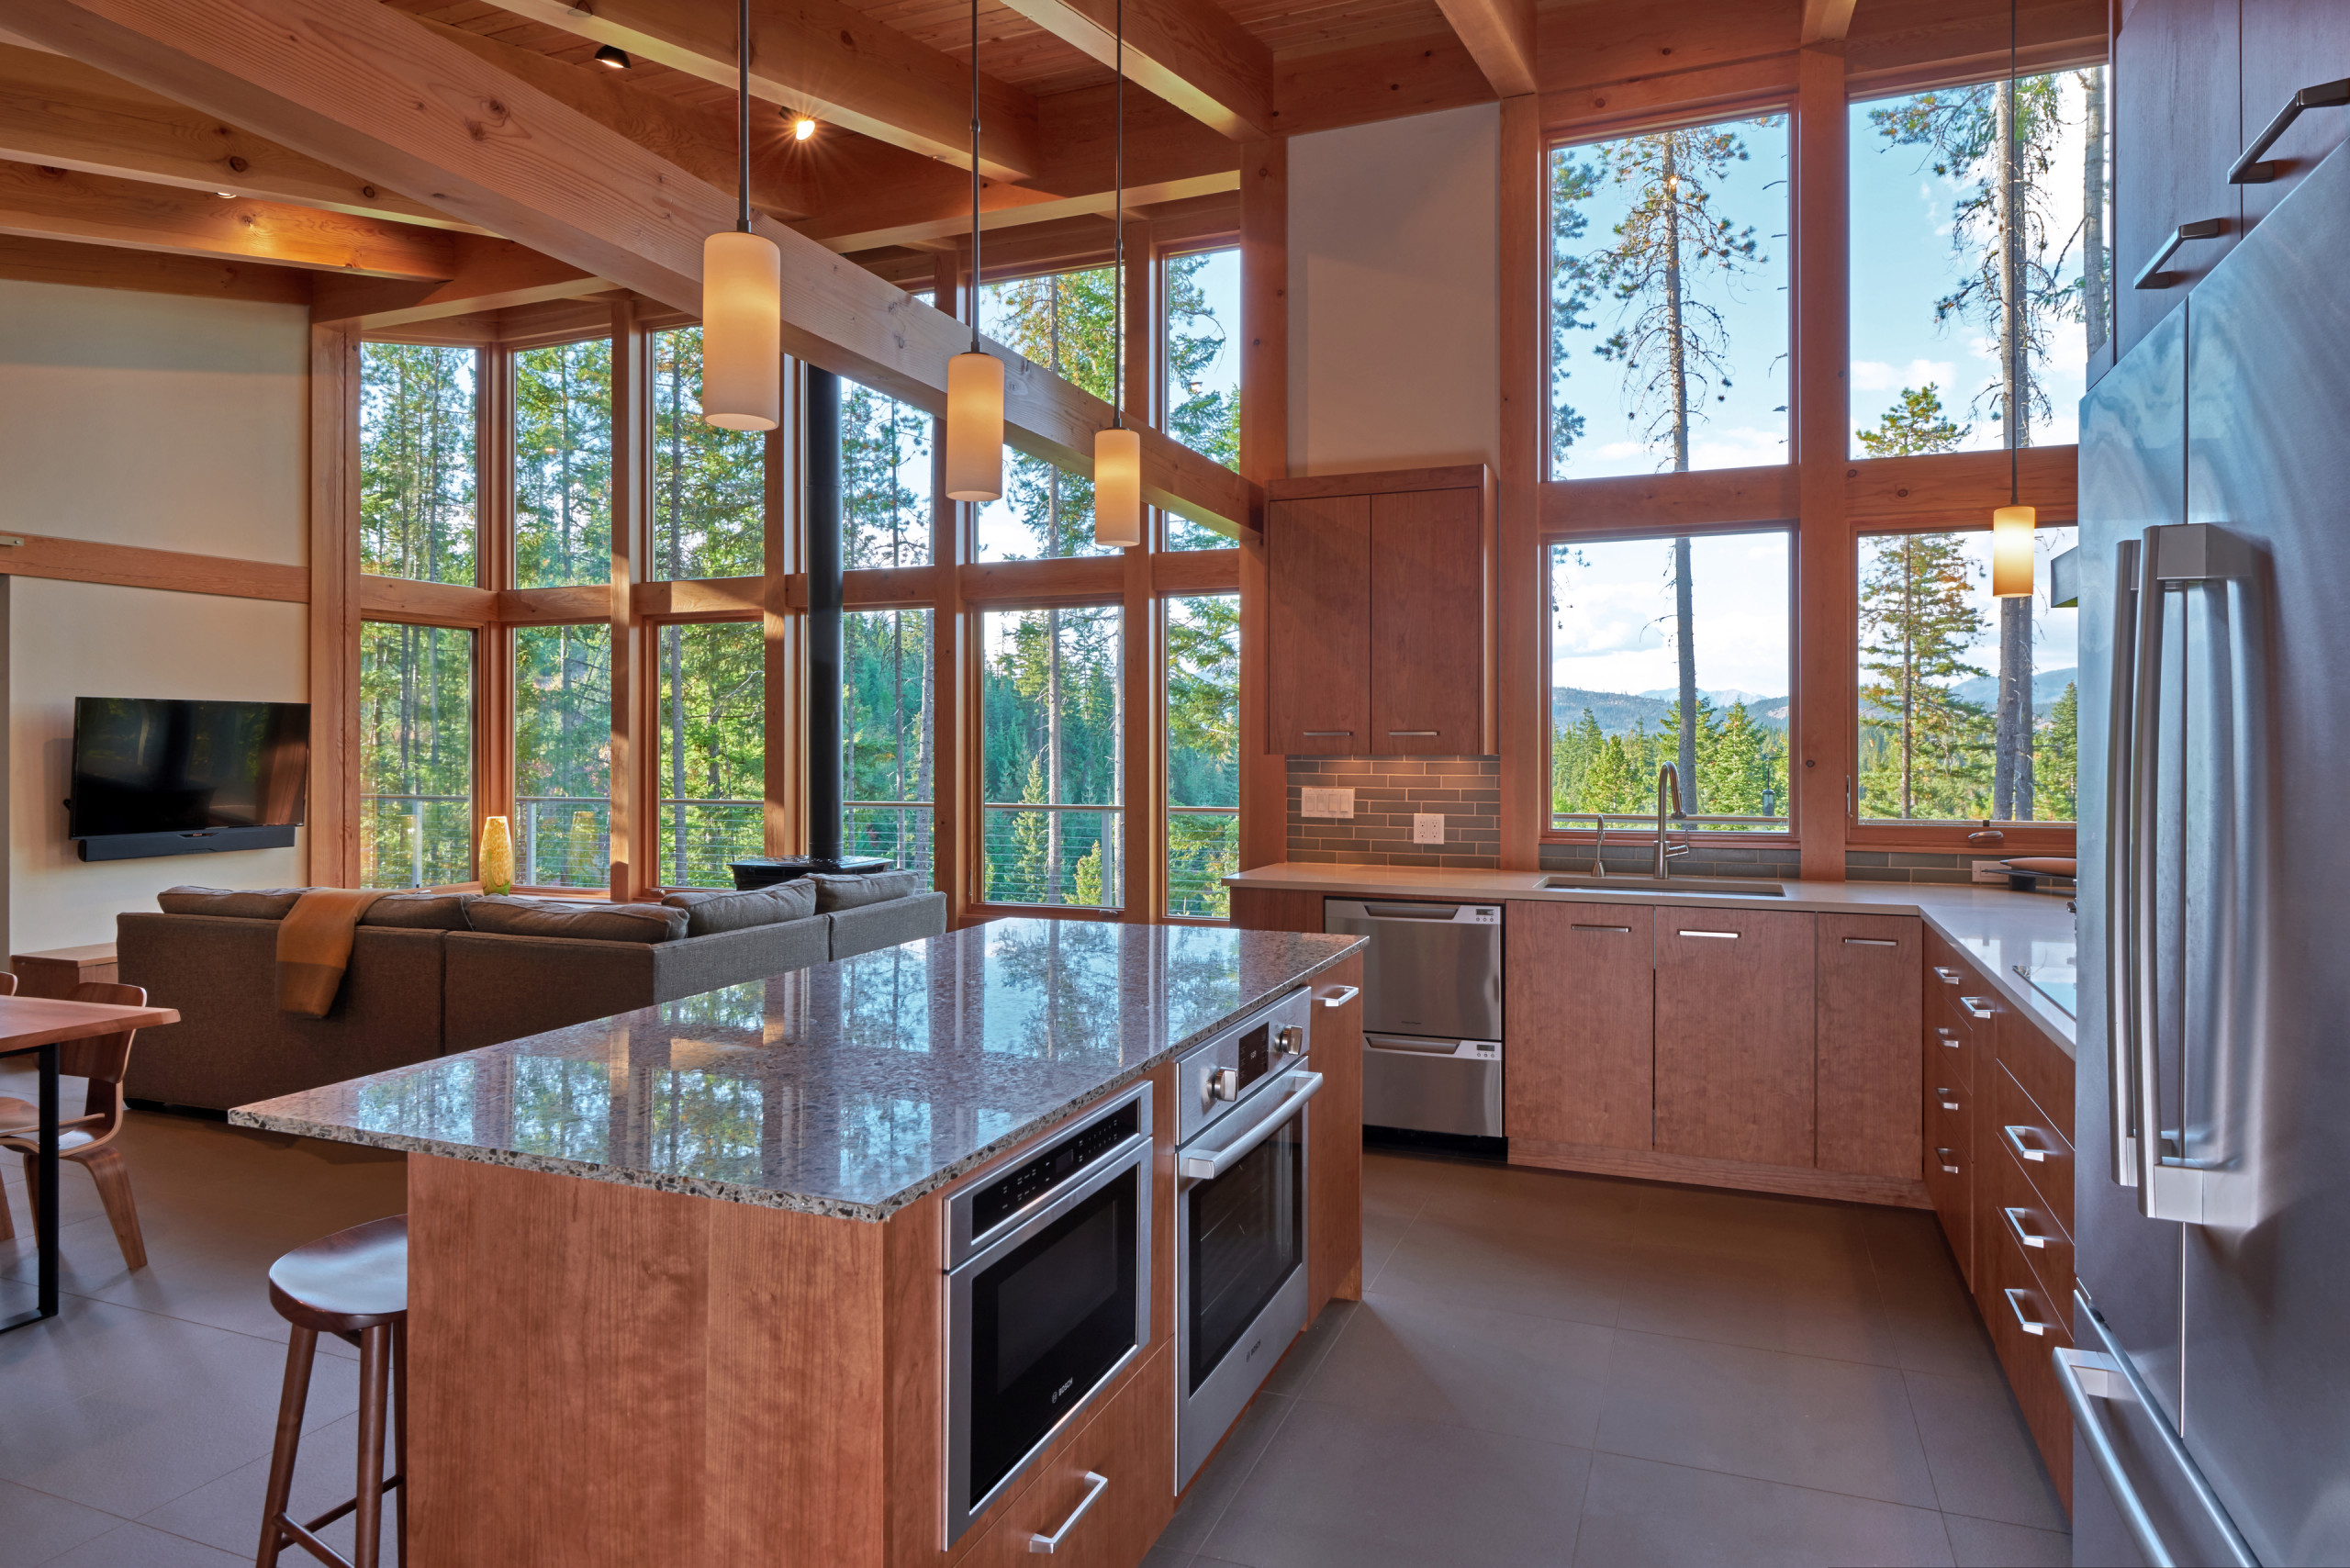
(1209, 1164)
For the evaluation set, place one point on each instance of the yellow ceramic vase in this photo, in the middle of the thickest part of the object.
(497, 855)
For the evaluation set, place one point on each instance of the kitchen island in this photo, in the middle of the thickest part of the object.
(675, 1287)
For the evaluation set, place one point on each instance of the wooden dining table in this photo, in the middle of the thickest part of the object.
(41, 1024)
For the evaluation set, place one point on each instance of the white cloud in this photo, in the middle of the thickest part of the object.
(1741, 446)
(1873, 376)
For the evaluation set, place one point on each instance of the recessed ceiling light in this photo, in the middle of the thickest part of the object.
(616, 58)
(802, 127)
(226, 196)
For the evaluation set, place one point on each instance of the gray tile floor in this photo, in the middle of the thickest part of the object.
(1545, 1368)
(1555, 1369)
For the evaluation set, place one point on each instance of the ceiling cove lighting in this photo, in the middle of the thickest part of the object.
(1117, 452)
(616, 58)
(2013, 525)
(975, 378)
(742, 292)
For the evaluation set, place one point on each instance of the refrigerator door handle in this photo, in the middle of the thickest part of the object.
(2120, 804)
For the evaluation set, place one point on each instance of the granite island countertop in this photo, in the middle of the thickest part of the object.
(2002, 931)
(849, 1089)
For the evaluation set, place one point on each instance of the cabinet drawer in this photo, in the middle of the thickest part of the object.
(2042, 1149)
(1123, 1461)
(2027, 1327)
(1949, 1123)
(2010, 1203)
(1949, 1047)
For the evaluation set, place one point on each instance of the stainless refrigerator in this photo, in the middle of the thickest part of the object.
(2210, 1373)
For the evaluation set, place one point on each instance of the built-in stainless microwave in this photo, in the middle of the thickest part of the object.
(1047, 1295)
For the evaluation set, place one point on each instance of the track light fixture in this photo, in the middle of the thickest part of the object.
(614, 57)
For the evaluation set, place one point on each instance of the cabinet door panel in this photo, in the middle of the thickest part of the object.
(1580, 1063)
(1319, 558)
(2176, 126)
(1427, 623)
(1869, 1018)
(1333, 1148)
(1734, 1070)
(2288, 45)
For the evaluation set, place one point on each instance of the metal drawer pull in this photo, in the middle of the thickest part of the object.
(1950, 977)
(1336, 995)
(2024, 1150)
(1625, 929)
(1325, 734)
(1949, 1037)
(1947, 1104)
(2249, 169)
(1870, 941)
(2151, 275)
(1948, 1167)
(1430, 734)
(2015, 1304)
(1976, 1006)
(2015, 1223)
(1725, 936)
(1096, 1483)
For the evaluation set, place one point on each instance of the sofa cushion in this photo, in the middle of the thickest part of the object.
(420, 912)
(887, 923)
(854, 892)
(502, 915)
(712, 910)
(243, 903)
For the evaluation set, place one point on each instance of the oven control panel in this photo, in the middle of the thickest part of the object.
(1222, 1072)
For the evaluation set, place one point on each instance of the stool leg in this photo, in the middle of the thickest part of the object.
(375, 1354)
(399, 1429)
(300, 1343)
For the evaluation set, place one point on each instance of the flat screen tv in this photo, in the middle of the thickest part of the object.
(154, 776)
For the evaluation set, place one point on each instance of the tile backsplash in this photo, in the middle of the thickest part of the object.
(1388, 791)
(1888, 866)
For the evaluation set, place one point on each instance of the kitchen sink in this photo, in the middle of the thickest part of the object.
(1699, 887)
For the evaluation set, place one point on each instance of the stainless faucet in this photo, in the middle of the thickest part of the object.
(1599, 845)
(1668, 775)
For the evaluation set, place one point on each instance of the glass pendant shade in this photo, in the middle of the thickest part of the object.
(2011, 552)
(742, 331)
(1117, 486)
(974, 427)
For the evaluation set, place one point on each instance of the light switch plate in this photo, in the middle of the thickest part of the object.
(1427, 827)
(1326, 803)
(1991, 871)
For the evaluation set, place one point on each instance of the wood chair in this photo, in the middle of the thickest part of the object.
(87, 1138)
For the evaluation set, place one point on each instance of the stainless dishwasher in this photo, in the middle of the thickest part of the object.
(1432, 1012)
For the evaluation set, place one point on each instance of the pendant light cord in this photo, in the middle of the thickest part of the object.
(2015, 217)
(743, 111)
(1118, 222)
(975, 175)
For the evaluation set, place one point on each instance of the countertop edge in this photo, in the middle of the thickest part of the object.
(763, 1197)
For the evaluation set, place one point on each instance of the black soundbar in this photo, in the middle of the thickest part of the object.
(197, 841)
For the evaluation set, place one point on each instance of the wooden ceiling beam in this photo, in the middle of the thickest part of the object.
(1499, 36)
(150, 272)
(60, 112)
(358, 84)
(828, 60)
(44, 203)
(1189, 53)
(488, 275)
(1826, 20)
(1100, 204)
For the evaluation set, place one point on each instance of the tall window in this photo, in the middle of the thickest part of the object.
(416, 462)
(562, 465)
(712, 765)
(563, 755)
(885, 480)
(1065, 322)
(708, 485)
(1968, 706)
(1670, 651)
(1668, 301)
(1202, 753)
(1053, 757)
(416, 755)
(1975, 301)
(1203, 352)
(885, 708)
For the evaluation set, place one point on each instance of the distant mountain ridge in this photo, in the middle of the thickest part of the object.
(2047, 686)
(1618, 712)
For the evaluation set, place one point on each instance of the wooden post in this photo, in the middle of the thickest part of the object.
(635, 811)
(1264, 457)
(1821, 764)
(335, 772)
(1517, 580)
(1144, 819)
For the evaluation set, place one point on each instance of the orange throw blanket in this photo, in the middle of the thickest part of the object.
(314, 947)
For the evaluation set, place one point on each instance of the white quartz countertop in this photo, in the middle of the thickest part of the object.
(2002, 931)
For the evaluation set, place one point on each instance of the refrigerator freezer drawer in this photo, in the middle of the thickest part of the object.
(1432, 1085)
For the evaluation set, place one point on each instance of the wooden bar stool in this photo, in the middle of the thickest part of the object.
(352, 1284)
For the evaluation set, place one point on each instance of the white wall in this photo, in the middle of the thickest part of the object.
(159, 421)
(1392, 287)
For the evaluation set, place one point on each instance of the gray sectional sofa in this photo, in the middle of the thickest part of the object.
(411, 992)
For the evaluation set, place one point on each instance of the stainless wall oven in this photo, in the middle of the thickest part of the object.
(1240, 1217)
(1047, 1295)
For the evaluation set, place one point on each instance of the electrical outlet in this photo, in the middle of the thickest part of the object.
(1326, 803)
(1427, 827)
(1991, 871)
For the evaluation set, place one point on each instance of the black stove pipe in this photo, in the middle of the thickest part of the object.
(825, 655)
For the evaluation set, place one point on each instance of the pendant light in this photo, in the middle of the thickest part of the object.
(975, 378)
(1117, 452)
(2013, 525)
(742, 292)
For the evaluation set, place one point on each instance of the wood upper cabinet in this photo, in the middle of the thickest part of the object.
(1377, 590)
(1868, 1022)
(1318, 552)
(1734, 1032)
(1581, 1004)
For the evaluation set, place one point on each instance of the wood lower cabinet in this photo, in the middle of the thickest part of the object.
(1734, 1035)
(1580, 998)
(2028, 1320)
(1130, 1446)
(1333, 1148)
(1948, 1117)
(1868, 1021)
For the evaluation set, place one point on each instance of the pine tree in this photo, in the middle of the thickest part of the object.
(1922, 743)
